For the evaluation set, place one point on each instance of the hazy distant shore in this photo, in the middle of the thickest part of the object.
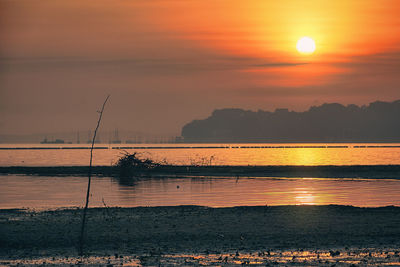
(329, 171)
(193, 229)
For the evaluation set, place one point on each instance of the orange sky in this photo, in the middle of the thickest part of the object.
(269, 30)
(166, 62)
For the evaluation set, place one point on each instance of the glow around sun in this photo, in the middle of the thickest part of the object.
(305, 45)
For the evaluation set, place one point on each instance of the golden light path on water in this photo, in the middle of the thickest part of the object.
(205, 154)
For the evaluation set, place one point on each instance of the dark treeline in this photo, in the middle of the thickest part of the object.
(376, 122)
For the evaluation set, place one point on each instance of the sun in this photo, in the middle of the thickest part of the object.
(305, 45)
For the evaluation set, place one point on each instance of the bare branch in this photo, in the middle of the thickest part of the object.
(81, 239)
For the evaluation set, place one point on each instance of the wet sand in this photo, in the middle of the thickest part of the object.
(146, 235)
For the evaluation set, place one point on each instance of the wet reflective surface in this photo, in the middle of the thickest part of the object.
(53, 192)
(206, 154)
(336, 257)
(73, 261)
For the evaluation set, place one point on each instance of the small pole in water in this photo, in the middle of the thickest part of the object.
(89, 179)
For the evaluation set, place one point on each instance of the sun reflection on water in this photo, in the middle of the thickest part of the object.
(304, 198)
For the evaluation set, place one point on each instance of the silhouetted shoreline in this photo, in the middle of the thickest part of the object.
(165, 171)
(329, 122)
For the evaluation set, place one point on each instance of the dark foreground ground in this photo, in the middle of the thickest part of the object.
(192, 235)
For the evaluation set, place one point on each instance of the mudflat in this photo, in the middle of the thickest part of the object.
(195, 229)
(165, 171)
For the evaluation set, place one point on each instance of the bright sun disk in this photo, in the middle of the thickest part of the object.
(305, 45)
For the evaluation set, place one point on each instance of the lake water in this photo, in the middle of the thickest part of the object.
(205, 154)
(54, 192)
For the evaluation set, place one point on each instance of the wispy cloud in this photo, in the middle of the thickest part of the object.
(151, 66)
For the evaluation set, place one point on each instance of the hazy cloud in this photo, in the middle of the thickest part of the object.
(151, 66)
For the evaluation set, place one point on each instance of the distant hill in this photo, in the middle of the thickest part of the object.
(376, 122)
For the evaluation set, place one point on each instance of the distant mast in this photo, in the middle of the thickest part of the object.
(89, 141)
(98, 141)
(116, 138)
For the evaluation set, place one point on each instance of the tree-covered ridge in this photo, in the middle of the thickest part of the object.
(377, 122)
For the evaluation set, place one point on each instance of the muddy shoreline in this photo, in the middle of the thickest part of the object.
(196, 229)
(329, 171)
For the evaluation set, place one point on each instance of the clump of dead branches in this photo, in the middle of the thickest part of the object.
(130, 163)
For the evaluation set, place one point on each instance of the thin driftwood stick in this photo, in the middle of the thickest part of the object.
(90, 179)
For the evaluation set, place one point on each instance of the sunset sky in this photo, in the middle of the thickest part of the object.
(167, 62)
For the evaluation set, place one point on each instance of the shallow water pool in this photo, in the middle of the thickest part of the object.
(37, 192)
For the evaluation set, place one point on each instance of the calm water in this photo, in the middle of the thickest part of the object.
(54, 192)
(215, 154)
